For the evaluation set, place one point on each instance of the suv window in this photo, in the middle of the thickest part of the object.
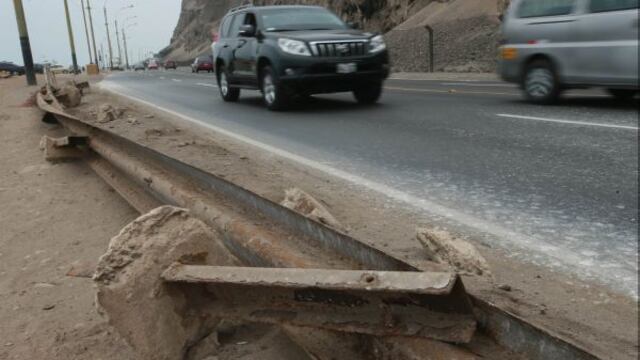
(540, 8)
(224, 28)
(235, 26)
(612, 5)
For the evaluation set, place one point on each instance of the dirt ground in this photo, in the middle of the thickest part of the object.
(49, 222)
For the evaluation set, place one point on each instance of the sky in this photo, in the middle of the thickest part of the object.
(47, 28)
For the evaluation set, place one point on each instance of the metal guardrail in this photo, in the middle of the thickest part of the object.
(422, 292)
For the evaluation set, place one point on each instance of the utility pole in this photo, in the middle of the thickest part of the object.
(102, 57)
(93, 36)
(27, 57)
(106, 24)
(71, 42)
(86, 31)
(126, 53)
(118, 41)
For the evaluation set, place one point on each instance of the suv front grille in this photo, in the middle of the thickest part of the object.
(339, 49)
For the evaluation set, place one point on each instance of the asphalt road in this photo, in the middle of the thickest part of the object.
(556, 185)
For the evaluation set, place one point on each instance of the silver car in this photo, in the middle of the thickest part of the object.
(552, 45)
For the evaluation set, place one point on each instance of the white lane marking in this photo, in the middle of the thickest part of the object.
(176, 80)
(476, 84)
(162, 77)
(507, 236)
(207, 85)
(571, 122)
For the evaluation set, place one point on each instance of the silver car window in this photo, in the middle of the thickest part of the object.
(541, 8)
(597, 6)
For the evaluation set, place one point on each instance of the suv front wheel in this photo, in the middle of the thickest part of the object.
(273, 93)
(227, 92)
(368, 94)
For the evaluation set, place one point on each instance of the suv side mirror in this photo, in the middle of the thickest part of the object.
(353, 25)
(247, 30)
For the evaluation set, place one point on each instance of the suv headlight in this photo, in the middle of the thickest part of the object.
(294, 47)
(376, 44)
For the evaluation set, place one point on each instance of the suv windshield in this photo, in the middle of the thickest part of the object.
(301, 19)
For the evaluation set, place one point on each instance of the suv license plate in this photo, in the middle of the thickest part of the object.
(347, 68)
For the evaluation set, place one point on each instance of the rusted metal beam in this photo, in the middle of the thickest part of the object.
(381, 303)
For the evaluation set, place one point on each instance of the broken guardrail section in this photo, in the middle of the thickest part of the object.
(380, 303)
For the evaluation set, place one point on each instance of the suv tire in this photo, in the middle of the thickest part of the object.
(540, 83)
(368, 94)
(228, 93)
(274, 94)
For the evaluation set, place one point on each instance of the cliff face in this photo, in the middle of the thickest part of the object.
(402, 20)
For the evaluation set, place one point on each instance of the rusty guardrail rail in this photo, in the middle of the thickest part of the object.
(407, 298)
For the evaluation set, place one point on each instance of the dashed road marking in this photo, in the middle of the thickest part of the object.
(207, 85)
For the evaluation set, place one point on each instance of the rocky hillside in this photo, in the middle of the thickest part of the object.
(465, 31)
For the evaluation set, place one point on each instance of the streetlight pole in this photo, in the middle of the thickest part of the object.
(71, 42)
(106, 24)
(126, 54)
(118, 35)
(27, 57)
(118, 41)
(93, 36)
(86, 31)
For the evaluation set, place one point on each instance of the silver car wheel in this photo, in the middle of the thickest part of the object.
(268, 89)
(539, 82)
(224, 84)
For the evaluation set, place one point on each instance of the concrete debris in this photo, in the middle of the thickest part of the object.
(48, 307)
(444, 248)
(108, 113)
(303, 203)
(154, 132)
(505, 287)
(58, 149)
(148, 116)
(69, 95)
(158, 321)
(81, 269)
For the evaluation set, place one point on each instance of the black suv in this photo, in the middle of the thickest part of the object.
(287, 51)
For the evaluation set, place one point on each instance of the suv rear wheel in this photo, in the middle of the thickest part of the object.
(368, 94)
(227, 92)
(623, 94)
(273, 93)
(540, 83)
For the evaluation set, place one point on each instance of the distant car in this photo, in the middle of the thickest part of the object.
(553, 45)
(38, 68)
(139, 66)
(11, 68)
(170, 64)
(58, 69)
(153, 65)
(203, 63)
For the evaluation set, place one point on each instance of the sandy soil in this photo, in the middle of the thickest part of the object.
(52, 217)
(49, 220)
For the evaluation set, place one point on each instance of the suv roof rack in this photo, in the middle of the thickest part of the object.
(241, 7)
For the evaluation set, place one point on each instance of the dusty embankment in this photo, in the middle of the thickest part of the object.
(55, 215)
